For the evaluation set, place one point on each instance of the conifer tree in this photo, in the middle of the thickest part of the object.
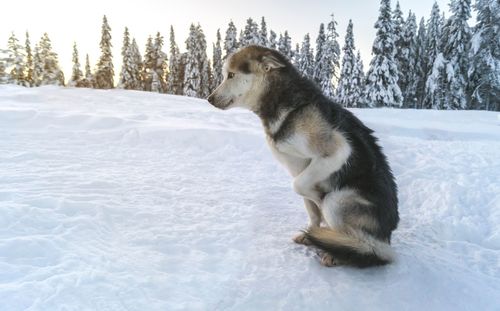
(49, 63)
(217, 62)
(17, 65)
(432, 49)
(345, 87)
(435, 86)
(175, 77)
(263, 33)
(197, 71)
(159, 66)
(455, 48)
(328, 66)
(272, 40)
(408, 61)
(382, 87)
(484, 71)
(104, 75)
(251, 34)
(358, 81)
(204, 63)
(231, 41)
(192, 75)
(28, 71)
(296, 54)
(320, 40)
(285, 45)
(125, 81)
(3, 67)
(399, 42)
(420, 71)
(37, 67)
(87, 78)
(306, 60)
(149, 62)
(138, 65)
(76, 73)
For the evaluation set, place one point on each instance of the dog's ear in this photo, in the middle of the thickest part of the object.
(270, 62)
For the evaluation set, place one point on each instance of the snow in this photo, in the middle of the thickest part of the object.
(124, 200)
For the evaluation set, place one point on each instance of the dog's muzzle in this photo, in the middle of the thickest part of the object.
(212, 101)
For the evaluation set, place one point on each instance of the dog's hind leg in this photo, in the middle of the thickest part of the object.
(314, 221)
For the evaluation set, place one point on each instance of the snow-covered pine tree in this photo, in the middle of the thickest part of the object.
(329, 61)
(306, 60)
(251, 34)
(192, 75)
(241, 38)
(149, 62)
(345, 86)
(126, 80)
(420, 66)
(432, 49)
(231, 40)
(160, 66)
(263, 33)
(37, 67)
(320, 40)
(484, 71)
(49, 64)
(204, 63)
(455, 47)
(197, 70)
(182, 70)
(76, 72)
(382, 87)
(28, 70)
(137, 66)
(435, 86)
(408, 61)
(296, 54)
(131, 71)
(87, 79)
(398, 23)
(175, 77)
(272, 40)
(147, 76)
(104, 75)
(17, 65)
(285, 45)
(217, 62)
(4, 78)
(358, 82)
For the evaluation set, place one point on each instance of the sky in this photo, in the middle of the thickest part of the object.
(80, 21)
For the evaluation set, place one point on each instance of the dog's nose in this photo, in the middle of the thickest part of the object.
(211, 99)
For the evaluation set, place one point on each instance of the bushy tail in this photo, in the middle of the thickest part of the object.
(351, 247)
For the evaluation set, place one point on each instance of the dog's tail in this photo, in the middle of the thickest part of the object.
(352, 247)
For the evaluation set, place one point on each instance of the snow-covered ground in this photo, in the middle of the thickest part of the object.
(121, 200)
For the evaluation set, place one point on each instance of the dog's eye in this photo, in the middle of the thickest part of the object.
(230, 75)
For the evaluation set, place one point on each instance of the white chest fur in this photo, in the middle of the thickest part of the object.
(289, 157)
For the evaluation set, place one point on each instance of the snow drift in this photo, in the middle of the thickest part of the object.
(121, 200)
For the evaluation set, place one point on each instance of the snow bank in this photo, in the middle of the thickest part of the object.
(121, 200)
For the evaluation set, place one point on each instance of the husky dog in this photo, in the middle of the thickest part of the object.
(337, 166)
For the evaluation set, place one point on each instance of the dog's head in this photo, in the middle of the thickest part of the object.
(247, 73)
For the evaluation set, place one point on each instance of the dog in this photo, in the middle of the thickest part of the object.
(337, 165)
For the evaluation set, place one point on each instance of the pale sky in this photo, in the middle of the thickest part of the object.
(80, 21)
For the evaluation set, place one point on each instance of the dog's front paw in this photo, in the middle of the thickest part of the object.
(301, 238)
(327, 260)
